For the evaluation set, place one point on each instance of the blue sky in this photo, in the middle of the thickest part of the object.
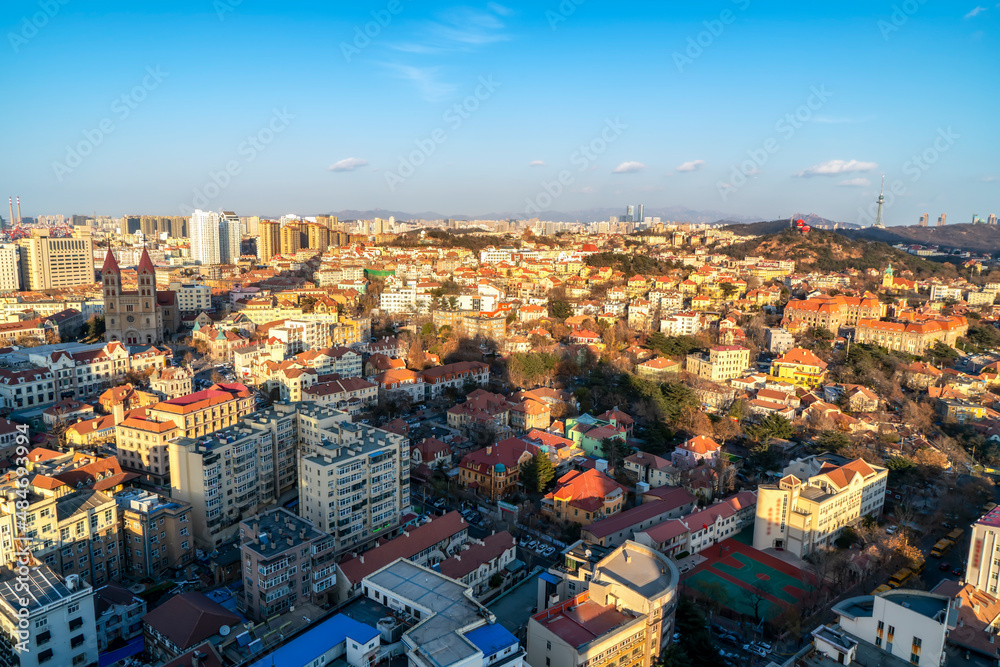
(746, 107)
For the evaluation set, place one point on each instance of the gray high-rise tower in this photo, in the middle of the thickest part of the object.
(881, 200)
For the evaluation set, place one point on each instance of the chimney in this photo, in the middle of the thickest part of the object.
(118, 411)
(362, 557)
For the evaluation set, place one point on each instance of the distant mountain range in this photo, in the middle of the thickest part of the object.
(665, 213)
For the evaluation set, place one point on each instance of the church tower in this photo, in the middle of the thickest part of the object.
(887, 280)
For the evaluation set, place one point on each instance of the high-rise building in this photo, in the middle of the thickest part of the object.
(156, 531)
(51, 263)
(273, 544)
(269, 243)
(329, 221)
(179, 227)
(319, 237)
(983, 566)
(10, 271)
(55, 615)
(229, 238)
(130, 224)
(291, 239)
(205, 242)
(251, 225)
(629, 214)
(924, 219)
(942, 220)
(991, 219)
(639, 217)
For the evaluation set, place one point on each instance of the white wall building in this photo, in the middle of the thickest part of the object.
(54, 616)
(203, 228)
(10, 279)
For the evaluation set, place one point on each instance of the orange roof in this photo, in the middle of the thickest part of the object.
(801, 356)
(700, 445)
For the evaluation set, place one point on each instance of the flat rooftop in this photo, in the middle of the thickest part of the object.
(438, 638)
(580, 621)
(278, 527)
(645, 571)
(930, 606)
(991, 518)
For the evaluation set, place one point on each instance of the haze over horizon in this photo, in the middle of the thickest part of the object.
(745, 108)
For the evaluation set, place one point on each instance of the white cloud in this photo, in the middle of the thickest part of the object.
(628, 168)
(976, 12)
(989, 179)
(693, 165)
(461, 29)
(860, 182)
(537, 163)
(587, 190)
(837, 167)
(348, 164)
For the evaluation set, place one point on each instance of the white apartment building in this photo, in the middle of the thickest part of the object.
(354, 480)
(983, 566)
(192, 297)
(941, 292)
(46, 620)
(401, 299)
(496, 255)
(799, 516)
(229, 238)
(10, 278)
(301, 335)
(31, 387)
(681, 324)
(908, 625)
(203, 229)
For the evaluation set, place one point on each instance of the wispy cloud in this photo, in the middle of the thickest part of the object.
(628, 168)
(989, 179)
(348, 164)
(976, 12)
(460, 29)
(693, 165)
(537, 163)
(836, 167)
(425, 79)
(860, 182)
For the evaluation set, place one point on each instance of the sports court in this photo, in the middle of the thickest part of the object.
(738, 568)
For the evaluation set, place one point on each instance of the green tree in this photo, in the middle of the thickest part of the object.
(942, 353)
(771, 426)
(559, 308)
(95, 327)
(832, 441)
(614, 450)
(537, 473)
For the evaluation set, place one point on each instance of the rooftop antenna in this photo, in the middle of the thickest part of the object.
(878, 224)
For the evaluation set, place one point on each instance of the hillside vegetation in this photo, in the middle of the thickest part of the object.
(830, 251)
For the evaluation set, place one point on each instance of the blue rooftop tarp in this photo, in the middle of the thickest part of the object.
(137, 645)
(318, 640)
(549, 577)
(491, 638)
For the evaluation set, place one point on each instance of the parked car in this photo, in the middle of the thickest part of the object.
(944, 567)
(763, 645)
(756, 650)
(549, 551)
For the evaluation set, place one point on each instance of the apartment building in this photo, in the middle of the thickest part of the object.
(354, 480)
(10, 270)
(831, 312)
(142, 446)
(302, 335)
(724, 362)
(207, 411)
(458, 377)
(479, 561)
(26, 388)
(156, 533)
(171, 382)
(446, 626)
(801, 516)
(702, 528)
(350, 395)
(983, 565)
(53, 263)
(192, 297)
(286, 562)
(73, 533)
(343, 361)
(624, 617)
(46, 619)
(118, 613)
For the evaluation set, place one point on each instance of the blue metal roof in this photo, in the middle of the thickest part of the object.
(318, 640)
(491, 638)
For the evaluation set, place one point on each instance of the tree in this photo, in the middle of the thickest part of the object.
(832, 441)
(96, 327)
(614, 450)
(755, 596)
(943, 354)
(560, 309)
(537, 473)
(771, 426)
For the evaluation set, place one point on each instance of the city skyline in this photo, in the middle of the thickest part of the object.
(510, 107)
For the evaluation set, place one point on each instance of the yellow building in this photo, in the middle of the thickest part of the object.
(800, 367)
(724, 362)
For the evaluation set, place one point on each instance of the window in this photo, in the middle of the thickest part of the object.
(76, 641)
